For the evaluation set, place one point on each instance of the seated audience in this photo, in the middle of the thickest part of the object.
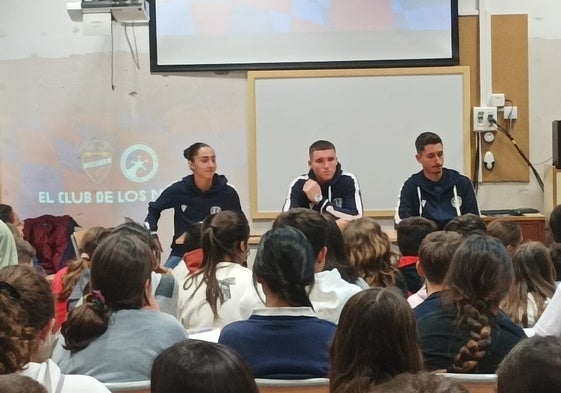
(193, 253)
(285, 339)
(336, 257)
(72, 282)
(555, 225)
(410, 232)
(27, 317)
(464, 330)
(508, 232)
(26, 252)
(190, 366)
(435, 255)
(423, 382)
(466, 225)
(532, 366)
(369, 249)
(210, 297)
(330, 291)
(377, 338)
(164, 286)
(533, 286)
(116, 333)
(9, 216)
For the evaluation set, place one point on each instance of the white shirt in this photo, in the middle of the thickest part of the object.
(194, 311)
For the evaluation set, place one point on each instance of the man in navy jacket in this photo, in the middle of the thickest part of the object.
(435, 192)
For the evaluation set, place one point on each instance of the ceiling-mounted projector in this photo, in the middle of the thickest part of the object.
(123, 11)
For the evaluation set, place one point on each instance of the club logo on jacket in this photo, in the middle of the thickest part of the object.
(183, 208)
(423, 203)
(338, 202)
(215, 209)
(453, 201)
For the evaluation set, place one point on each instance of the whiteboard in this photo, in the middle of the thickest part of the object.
(372, 116)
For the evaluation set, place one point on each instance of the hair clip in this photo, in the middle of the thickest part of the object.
(9, 290)
(95, 297)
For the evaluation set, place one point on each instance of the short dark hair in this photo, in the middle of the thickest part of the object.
(422, 382)
(192, 150)
(411, 231)
(467, 224)
(426, 138)
(307, 221)
(435, 254)
(190, 366)
(6, 213)
(320, 145)
(555, 254)
(17, 383)
(555, 223)
(531, 366)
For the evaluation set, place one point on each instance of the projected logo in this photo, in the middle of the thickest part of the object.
(96, 157)
(139, 163)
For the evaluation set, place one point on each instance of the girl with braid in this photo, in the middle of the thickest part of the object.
(464, 331)
(285, 339)
(210, 296)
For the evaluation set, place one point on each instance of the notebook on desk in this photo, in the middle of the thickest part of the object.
(509, 212)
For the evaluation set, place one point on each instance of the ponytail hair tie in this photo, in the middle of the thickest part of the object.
(96, 298)
(9, 290)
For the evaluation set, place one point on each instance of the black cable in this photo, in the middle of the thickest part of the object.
(534, 171)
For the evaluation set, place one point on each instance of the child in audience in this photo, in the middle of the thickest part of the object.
(116, 333)
(16, 383)
(210, 297)
(410, 232)
(464, 330)
(164, 286)
(193, 253)
(377, 338)
(285, 339)
(27, 317)
(369, 249)
(508, 232)
(466, 224)
(336, 257)
(201, 367)
(534, 284)
(435, 253)
(330, 291)
(72, 282)
(532, 366)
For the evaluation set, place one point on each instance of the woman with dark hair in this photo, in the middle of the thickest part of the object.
(463, 329)
(26, 319)
(115, 335)
(285, 339)
(533, 286)
(188, 367)
(194, 197)
(210, 297)
(376, 339)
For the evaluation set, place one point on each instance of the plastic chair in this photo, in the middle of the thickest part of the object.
(475, 383)
(312, 385)
(130, 387)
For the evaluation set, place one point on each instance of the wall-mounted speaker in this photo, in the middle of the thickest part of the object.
(556, 139)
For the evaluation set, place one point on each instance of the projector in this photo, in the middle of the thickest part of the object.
(123, 11)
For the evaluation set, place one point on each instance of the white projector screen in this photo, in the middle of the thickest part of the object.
(227, 35)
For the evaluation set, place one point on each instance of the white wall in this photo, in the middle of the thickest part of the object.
(48, 66)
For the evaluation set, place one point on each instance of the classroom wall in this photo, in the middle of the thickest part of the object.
(48, 66)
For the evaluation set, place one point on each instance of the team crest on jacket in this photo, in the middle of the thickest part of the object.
(183, 208)
(337, 202)
(453, 201)
(215, 209)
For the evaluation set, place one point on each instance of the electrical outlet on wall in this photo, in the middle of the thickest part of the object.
(481, 116)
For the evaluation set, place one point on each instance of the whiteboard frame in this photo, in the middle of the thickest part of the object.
(254, 77)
